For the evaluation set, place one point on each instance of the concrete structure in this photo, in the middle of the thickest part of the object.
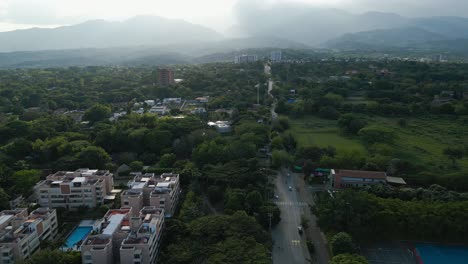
(21, 234)
(159, 110)
(70, 190)
(354, 178)
(165, 77)
(276, 56)
(245, 59)
(222, 127)
(142, 245)
(126, 239)
(149, 190)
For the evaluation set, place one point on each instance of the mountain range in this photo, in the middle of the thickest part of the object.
(144, 38)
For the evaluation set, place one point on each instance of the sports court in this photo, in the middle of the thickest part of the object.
(388, 254)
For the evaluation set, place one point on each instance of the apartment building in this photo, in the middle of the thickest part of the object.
(72, 189)
(125, 238)
(165, 77)
(149, 190)
(21, 234)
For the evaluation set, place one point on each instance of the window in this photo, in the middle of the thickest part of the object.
(136, 256)
(161, 202)
(6, 254)
(126, 203)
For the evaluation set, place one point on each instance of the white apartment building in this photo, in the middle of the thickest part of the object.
(149, 190)
(126, 239)
(21, 234)
(73, 189)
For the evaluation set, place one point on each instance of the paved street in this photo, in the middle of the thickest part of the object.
(289, 246)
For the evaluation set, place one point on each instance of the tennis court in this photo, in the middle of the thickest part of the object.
(388, 254)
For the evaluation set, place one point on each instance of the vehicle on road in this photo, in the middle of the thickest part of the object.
(290, 188)
(276, 196)
(299, 229)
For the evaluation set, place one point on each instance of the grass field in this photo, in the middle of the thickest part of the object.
(422, 141)
(321, 132)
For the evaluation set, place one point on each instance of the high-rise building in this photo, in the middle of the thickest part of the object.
(21, 234)
(165, 77)
(245, 58)
(276, 56)
(73, 189)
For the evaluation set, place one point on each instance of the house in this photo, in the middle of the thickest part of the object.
(356, 178)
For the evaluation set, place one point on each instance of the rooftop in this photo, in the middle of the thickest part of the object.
(361, 174)
(97, 240)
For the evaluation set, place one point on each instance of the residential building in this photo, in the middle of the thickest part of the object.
(222, 127)
(142, 245)
(165, 77)
(354, 178)
(276, 56)
(21, 234)
(125, 238)
(159, 110)
(245, 59)
(73, 189)
(149, 190)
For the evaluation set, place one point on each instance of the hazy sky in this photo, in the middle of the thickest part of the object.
(218, 14)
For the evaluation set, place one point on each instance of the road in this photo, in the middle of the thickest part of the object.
(289, 246)
(313, 231)
(274, 115)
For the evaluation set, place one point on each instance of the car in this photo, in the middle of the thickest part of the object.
(276, 196)
(290, 188)
(299, 229)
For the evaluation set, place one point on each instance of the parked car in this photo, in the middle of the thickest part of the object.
(290, 188)
(299, 229)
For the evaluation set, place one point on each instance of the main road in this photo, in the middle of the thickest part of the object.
(289, 245)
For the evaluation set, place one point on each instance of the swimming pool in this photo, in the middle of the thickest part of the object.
(78, 234)
(439, 254)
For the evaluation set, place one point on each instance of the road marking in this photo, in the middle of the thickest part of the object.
(300, 204)
(296, 242)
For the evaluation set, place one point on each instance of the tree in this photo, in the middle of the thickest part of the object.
(93, 157)
(253, 201)
(351, 124)
(377, 134)
(4, 198)
(191, 208)
(96, 113)
(281, 158)
(53, 256)
(136, 165)
(167, 160)
(454, 153)
(24, 180)
(342, 243)
(349, 259)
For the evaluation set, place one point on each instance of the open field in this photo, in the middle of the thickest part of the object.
(422, 141)
(321, 132)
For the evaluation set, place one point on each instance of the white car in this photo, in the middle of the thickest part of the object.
(290, 188)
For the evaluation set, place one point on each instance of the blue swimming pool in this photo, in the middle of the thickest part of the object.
(438, 254)
(78, 234)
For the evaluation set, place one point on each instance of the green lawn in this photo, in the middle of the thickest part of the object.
(422, 141)
(310, 131)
